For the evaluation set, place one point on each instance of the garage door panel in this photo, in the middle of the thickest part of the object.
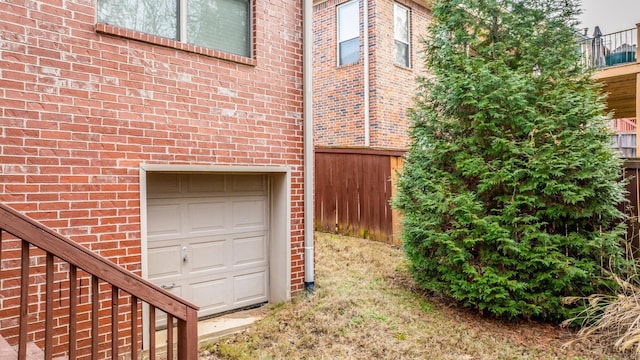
(205, 184)
(210, 255)
(164, 219)
(162, 183)
(250, 250)
(211, 294)
(247, 183)
(164, 261)
(249, 213)
(250, 288)
(206, 216)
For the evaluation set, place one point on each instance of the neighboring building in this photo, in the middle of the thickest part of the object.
(618, 68)
(168, 141)
(340, 66)
(366, 60)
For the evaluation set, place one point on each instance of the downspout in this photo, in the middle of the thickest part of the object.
(307, 66)
(365, 11)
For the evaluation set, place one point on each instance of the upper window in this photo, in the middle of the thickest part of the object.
(217, 24)
(349, 33)
(401, 35)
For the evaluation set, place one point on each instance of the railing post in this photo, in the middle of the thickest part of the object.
(188, 336)
(95, 316)
(134, 327)
(637, 154)
(637, 93)
(48, 324)
(170, 346)
(637, 42)
(24, 301)
(152, 333)
(73, 306)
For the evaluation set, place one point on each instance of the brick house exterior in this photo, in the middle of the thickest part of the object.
(360, 126)
(97, 121)
(338, 94)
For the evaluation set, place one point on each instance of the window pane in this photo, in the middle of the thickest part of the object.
(402, 53)
(350, 51)
(401, 23)
(220, 24)
(349, 21)
(156, 17)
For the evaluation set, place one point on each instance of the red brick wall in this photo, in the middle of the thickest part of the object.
(338, 110)
(339, 91)
(81, 109)
(395, 84)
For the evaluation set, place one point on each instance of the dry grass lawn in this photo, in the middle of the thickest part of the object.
(365, 306)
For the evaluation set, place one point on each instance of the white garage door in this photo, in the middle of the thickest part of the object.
(207, 238)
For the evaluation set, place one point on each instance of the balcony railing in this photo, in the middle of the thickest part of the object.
(617, 48)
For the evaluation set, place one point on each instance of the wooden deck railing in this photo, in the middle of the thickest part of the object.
(623, 125)
(58, 304)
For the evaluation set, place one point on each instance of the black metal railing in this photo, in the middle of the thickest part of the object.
(606, 50)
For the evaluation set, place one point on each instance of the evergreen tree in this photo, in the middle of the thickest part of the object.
(510, 187)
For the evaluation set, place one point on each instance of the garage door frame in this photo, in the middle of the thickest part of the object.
(279, 197)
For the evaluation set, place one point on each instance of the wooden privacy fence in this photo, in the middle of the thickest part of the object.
(354, 188)
(353, 192)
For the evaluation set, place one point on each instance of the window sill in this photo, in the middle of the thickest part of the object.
(157, 40)
(402, 67)
(348, 65)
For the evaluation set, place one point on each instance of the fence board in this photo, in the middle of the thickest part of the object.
(353, 192)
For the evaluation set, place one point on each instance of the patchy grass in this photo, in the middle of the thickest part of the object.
(365, 306)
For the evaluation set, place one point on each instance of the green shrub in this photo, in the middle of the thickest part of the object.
(510, 187)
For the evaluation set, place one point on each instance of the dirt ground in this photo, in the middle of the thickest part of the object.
(365, 306)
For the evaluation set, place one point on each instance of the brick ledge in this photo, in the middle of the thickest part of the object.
(157, 40)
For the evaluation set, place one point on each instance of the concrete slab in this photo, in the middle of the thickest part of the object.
(6, 351)
(214, 328)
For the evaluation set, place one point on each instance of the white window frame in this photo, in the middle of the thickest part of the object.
(181, 27)
(396, 7)
(338, 33)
